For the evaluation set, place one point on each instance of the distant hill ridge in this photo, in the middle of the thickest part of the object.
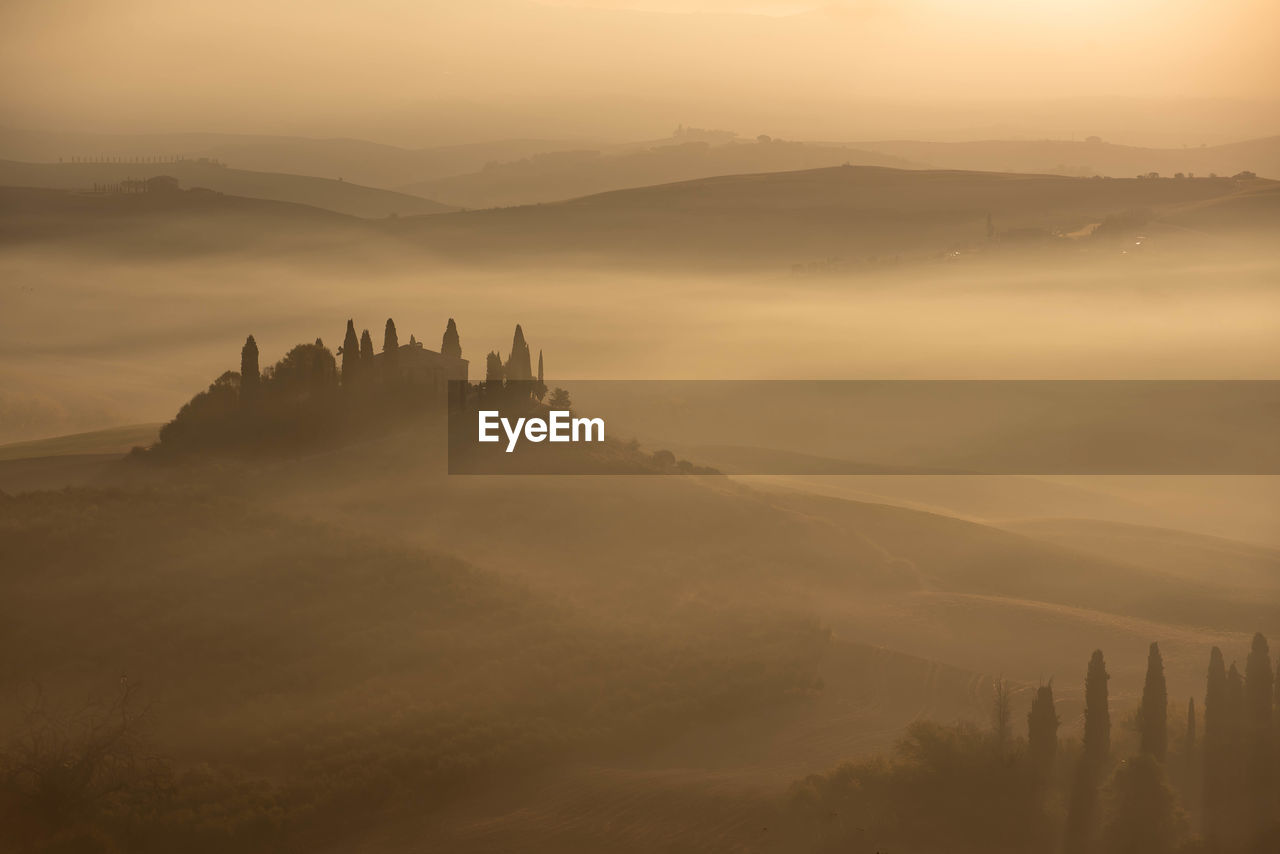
(1087, 158)
(525, 171)
(844, 216)
(333, 195)
(860, 214)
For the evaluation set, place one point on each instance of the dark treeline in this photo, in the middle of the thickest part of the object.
(313, 397)
(1158, 786)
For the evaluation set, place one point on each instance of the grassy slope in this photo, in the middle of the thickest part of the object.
(1178, 554)
(269, 634)
(937, 588)
(879, 574)
(113, 440)
(329, 194)
(74, 460)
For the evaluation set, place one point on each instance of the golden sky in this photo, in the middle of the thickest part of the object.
(243, 65)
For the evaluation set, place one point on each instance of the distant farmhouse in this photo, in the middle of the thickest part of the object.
(413, 365)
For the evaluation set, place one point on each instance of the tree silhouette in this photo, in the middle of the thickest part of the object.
(1097, 713)
(493, 370)
(350, 355)
(1145, 818)
(1081, 828)
(1216, 737)
(451, 346)
(1042, 732)
(249, 369)
(308, 370)
(390, 352)
(1258, 687)
(366, 353)
(1154, 713)
(1002, 714)
(518, 365)
(540, 387)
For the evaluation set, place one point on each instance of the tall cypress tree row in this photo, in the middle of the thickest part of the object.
(350, 355)
(1155, 708)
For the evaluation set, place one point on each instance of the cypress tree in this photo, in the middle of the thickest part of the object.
(390, 349)
(1236, 717)
(540, 387)
(518, 365)
(1236, 789)
(1258, 688)
(1155, 708)
(451, 346)
(249, 369)
(1042, 732)
(350, 355)
(1002, 714)
(1215, 744)
(1082, 821)
(366, 351)
(493, 369)
(1097, 713)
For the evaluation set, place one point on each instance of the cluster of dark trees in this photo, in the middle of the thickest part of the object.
(1231, 766)
(1211, 785)
(303, 399)
(517, 371)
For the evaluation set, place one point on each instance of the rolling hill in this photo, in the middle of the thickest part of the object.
(626, 665)
(359, 161)
(329, 194)
(559, 175)
(166, 224)
(851, 212)
(845, 215)
(526, 171)
(1062, 157)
